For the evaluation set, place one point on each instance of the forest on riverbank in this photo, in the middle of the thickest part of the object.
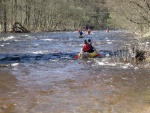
(52, 15)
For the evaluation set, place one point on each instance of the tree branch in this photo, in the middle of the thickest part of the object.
(135, 3)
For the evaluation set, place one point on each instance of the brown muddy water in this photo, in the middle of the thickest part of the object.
(38, 74)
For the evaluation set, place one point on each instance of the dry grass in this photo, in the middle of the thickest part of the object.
(147, 59)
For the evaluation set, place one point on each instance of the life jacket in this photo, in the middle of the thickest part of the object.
(81, 33)
(86, 47)
(89, 31)
(91, 48)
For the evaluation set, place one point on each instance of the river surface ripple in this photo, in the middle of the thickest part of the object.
(39, 75)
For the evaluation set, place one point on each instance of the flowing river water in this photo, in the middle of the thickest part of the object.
(39, 74)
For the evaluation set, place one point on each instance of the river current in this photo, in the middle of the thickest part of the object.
(38, 74)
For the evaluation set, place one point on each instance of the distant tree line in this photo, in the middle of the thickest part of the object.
(48, 15)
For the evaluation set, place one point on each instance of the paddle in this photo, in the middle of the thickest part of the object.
(76, 57)
(98, 54)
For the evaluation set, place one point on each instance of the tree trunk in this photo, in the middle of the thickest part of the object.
(5, 17)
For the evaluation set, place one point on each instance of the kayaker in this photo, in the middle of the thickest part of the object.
(92, 48)
(85, 47)
(84, 50)
(81, 32)
(89, 31)
(107, 30)
(87, 50)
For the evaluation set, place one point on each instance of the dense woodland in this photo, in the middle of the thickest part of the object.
(49, 15)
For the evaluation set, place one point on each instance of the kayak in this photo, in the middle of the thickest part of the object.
(92, 55)
(89, 33)
(81, 36)
(87, 55)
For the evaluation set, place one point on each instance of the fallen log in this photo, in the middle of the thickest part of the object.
(18, 28)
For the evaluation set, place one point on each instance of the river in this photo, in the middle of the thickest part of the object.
(40, 75)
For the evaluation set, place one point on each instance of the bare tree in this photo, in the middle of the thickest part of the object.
(52, 14)
(135, 13)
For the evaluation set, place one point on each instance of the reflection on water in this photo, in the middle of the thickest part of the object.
(40, 75)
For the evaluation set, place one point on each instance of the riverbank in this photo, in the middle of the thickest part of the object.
(142, 47)
(147, 42)
(147, 59)
(147, 35)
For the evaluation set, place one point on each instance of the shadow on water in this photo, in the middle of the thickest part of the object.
(19, 57)
(6, 58)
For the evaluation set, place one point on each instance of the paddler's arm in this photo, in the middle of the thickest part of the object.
(94, 48)
(98, 54)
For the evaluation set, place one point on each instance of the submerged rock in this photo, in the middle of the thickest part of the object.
(4, 65)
